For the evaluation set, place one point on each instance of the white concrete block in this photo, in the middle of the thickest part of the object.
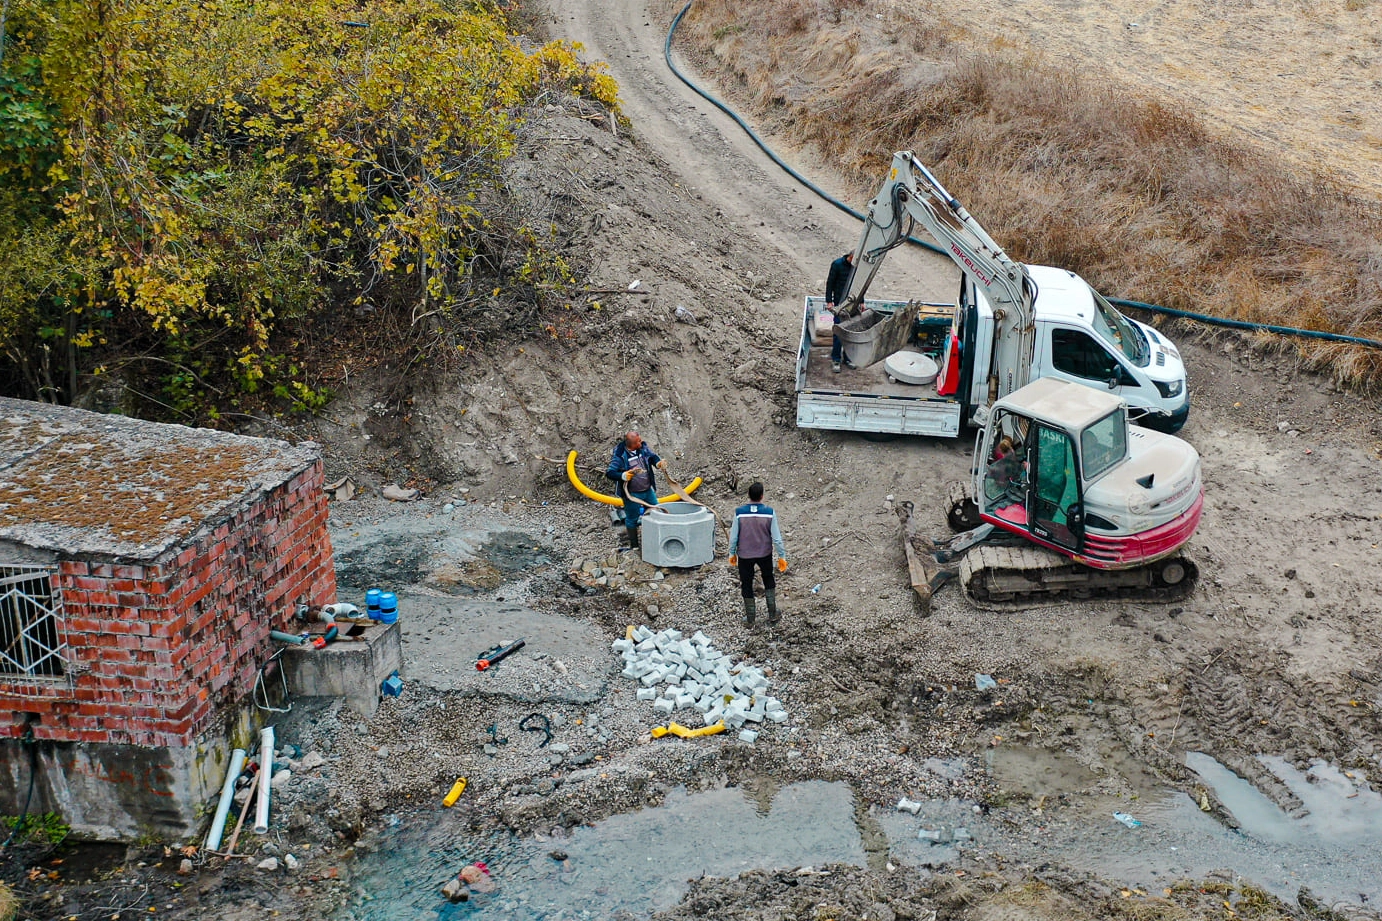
(749, 736)
(641, 633)
(672, 635)
(621, 645)
(700, 639)
(777, 716)
(651, 678)
(710, 719)
(704, 704)
(663, 705)
(683, 701)
(647, 694)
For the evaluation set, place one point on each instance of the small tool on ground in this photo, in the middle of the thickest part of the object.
(496, 655)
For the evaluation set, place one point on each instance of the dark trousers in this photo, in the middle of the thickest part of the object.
(765, 563)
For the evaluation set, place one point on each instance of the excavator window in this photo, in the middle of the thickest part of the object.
(1055, 487)
(1104, 444)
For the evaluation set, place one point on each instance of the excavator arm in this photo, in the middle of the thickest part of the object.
(912, 195)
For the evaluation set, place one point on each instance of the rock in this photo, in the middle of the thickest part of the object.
(491, 750)
(185, 868)
(560, 748)
(382, 753)
(312, 760)
(557, 720)
(291, 862)
(269, 864)
(558, 855)
(281, 778)
(455, 890)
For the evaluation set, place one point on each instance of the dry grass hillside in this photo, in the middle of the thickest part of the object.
(1135, 189)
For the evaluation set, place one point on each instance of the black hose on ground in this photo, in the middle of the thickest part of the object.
(31, 743)
(1150, 308)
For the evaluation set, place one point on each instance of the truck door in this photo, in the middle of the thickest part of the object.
(1079, 357)
(1054, 490)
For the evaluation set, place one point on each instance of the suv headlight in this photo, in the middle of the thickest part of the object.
(1170, 389)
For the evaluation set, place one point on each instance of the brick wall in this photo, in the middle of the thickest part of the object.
(158, 651)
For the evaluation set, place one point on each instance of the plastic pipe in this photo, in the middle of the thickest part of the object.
(218, 823)
(285, 637)
(266, 773)
(615, 500)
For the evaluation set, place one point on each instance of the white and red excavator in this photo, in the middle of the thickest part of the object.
(1092, 505)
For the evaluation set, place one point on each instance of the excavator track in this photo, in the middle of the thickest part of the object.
(1013, 577)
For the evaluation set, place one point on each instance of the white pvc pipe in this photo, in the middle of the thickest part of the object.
(218, 824)
(266, 774)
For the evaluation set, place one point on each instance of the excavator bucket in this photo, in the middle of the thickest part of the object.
(924, 565)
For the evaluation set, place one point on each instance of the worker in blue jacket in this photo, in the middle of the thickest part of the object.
(631, 468)
(753, 539)
(836, 290)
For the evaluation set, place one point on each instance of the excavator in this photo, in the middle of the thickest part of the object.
(1065, 497)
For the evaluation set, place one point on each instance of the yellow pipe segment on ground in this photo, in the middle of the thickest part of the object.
(605, 497)
(677, 729)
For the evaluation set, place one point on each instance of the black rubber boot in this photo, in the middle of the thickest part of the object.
(635, 541)
(750, 610)
(770, 596)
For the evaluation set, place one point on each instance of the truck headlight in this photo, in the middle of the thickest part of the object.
(1170, 389)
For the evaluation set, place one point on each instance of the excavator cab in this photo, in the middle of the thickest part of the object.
(1056, 463)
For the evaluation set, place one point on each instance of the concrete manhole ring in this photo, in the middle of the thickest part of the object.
(910, 368)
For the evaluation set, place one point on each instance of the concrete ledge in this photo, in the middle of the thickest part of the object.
(350, 668)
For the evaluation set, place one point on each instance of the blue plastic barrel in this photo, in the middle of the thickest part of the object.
(388, 608)
(372, 603)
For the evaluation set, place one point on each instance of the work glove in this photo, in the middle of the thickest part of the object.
(662, 465)
(628, 475)
(733, 560)
(782, 564)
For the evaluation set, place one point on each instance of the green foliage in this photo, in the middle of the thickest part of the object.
(46, 828)
(186, 177)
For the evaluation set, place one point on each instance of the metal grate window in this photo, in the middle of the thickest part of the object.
(31, 643)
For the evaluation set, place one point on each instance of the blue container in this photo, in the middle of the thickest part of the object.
(392, 686)
(372, 603)
(388, 608)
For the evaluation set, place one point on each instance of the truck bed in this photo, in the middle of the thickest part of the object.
(863, 399)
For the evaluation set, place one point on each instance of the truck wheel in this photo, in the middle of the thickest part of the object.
(879, 437)
(963, 516)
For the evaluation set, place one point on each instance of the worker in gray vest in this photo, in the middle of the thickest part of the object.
(753, 539)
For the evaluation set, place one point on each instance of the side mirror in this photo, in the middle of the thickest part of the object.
(1074, 517)
(1113, 382)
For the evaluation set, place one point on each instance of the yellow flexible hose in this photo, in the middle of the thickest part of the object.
(605, 497)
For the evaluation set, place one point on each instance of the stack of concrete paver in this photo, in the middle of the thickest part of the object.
(677, 673)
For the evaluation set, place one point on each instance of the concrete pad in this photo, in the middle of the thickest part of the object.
(442, 636)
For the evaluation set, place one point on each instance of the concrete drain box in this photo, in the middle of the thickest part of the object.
(678, 534)
(352, 669)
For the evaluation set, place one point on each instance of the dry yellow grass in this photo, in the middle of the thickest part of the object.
(1132, 192)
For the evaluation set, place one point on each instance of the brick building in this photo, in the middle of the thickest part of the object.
(142, 567)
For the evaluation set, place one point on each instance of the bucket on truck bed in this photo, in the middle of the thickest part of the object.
(872, 336)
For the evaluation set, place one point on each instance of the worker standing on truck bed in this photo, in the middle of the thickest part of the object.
(753, 538)
(631, 468)
(836, 290)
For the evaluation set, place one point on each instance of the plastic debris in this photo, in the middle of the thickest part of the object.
(816, 589)
(984, 682)
(1127, 820)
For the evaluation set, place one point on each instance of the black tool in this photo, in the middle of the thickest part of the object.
(496, 655)
(546, 727)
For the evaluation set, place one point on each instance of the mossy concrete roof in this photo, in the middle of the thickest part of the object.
(84, 484)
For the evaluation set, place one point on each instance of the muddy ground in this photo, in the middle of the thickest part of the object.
(1273, 657)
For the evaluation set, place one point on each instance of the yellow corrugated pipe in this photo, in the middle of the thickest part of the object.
(614, 500)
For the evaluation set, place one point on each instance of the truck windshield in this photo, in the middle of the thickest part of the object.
(1119, 332)
(1103, 444)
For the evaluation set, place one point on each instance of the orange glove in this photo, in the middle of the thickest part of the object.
(662, 465)
(782, 564)
(733, 560)
(628, 475)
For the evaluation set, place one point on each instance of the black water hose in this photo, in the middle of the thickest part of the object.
(1150, 308)
(31, 743)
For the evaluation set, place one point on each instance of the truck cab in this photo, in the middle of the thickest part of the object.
(1082, 338)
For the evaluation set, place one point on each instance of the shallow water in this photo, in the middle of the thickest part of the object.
(638, 862)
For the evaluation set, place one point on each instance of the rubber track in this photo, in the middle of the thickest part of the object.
(1049, 577)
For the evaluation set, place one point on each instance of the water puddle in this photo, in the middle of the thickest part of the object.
(1335, 848)
(637, 862)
